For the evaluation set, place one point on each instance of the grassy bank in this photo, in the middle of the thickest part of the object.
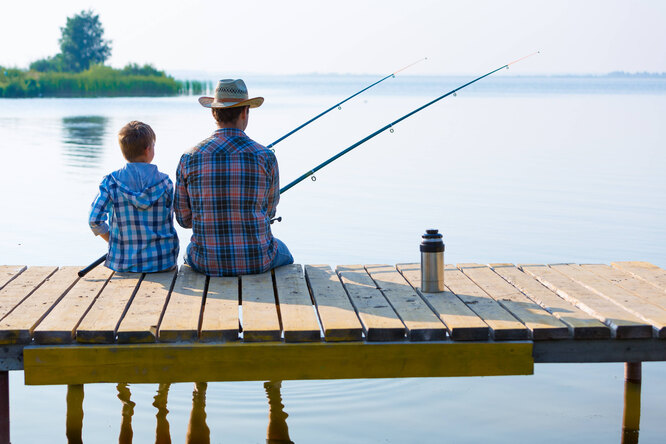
(97, 81)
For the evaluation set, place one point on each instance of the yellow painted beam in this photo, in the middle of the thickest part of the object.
(153, 363)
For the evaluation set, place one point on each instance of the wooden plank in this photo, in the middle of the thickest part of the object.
(581, 324)
(462, 323)
(21, 287)
(17, 327)
(143, 316)
(100, 323)
(9, 272)
(183, 311)
(336, 312)
(599, 350)
(59, 326)
(650, 273)
(156, 363)
(379, 321)
(299, 321)
(260, 316)
(630, 282)
(622, 323)
(541, 324)
(220, 316)
(421, 323)
(503, 325)
(643, 310)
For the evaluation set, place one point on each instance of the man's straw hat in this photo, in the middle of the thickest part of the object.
(230, 93)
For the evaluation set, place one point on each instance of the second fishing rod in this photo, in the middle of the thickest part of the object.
(395, 122)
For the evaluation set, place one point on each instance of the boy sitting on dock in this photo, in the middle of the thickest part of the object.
(138, 200)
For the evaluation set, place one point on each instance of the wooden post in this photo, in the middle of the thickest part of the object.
(632, 402)
(4, 407)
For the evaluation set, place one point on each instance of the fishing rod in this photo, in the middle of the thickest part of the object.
(337, 105)
(86, 270)
(395, 122)
(360, 142)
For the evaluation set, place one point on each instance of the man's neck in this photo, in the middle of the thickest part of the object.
(229, 125)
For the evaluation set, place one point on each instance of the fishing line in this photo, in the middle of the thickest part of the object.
(338, 105)
(390, 125)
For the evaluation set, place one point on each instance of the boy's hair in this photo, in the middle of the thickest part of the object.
(134, 138)
(227, 115)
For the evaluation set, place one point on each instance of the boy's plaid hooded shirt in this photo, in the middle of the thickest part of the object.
(142, 236)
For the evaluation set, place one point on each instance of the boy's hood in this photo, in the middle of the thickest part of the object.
(141, 183)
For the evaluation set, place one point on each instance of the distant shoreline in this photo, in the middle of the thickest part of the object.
(341, 85)
(97, 81)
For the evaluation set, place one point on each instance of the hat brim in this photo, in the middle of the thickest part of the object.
(209, 102)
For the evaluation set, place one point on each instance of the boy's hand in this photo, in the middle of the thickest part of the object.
(105, 236)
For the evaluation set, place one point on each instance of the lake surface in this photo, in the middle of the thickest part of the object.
(513, 169)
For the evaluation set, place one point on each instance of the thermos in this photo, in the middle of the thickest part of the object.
(432, 262)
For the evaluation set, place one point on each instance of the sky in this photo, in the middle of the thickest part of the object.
(354, 37)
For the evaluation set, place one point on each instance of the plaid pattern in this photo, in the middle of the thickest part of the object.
(227, 190)
(142, 237)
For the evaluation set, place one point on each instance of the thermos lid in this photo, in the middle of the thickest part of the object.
(432, 241)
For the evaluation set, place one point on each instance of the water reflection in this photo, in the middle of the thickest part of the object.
(162, 434)
(632, 412)
(631, 417)
(83, 140)
(277, 432)
(126, 433)
(74, 423)
(198, 431)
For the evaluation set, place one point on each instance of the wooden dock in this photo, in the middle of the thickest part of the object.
(313, 322)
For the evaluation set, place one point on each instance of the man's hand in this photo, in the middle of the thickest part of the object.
(105, 236)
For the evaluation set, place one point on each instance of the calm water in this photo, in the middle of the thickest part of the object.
(512, 170)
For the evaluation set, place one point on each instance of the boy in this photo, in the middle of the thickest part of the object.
(139, 201)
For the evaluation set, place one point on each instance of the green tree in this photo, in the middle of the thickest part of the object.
(82, 42)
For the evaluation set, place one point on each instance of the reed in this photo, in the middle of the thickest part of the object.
(97, 81)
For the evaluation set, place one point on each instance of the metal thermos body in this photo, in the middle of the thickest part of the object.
(432, 262)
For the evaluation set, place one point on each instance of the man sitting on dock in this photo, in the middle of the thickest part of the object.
(227, 191)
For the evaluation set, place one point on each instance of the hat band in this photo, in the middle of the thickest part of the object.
(227, 100)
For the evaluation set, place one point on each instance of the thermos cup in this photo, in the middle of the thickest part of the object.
(432, 262)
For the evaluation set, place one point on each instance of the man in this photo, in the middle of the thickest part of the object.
(227, 191)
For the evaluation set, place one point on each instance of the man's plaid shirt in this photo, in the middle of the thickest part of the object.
(227, 190)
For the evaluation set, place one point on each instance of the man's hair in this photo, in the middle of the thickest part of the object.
(227, 115)
(134, 138)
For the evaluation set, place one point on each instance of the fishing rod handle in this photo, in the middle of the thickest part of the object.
(86, 270)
